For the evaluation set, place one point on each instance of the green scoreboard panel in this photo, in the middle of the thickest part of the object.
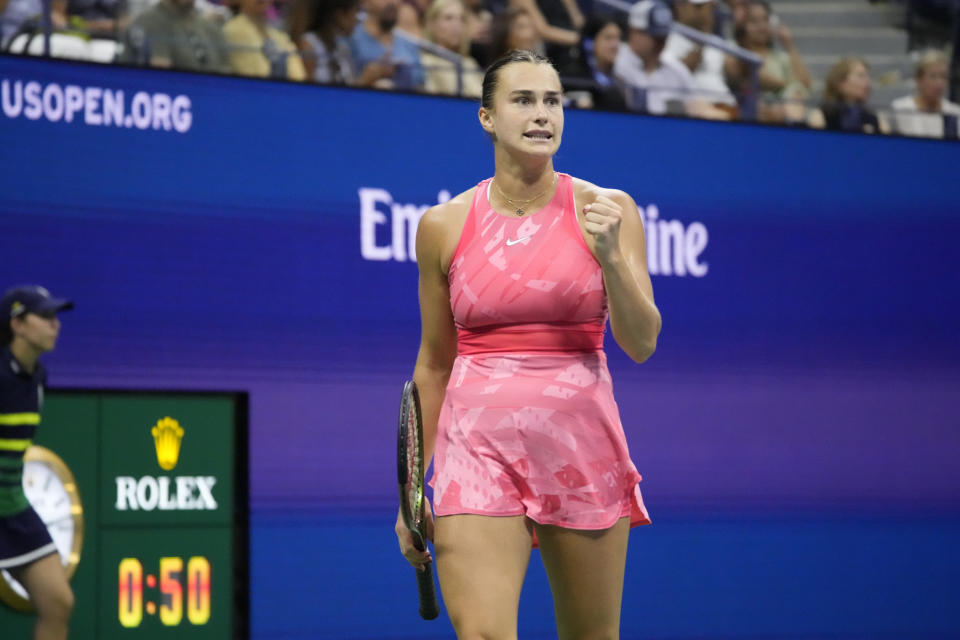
(162, 516)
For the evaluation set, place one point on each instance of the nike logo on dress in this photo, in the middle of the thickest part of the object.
(510, 242)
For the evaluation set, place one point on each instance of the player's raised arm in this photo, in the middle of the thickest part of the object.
(612, 219)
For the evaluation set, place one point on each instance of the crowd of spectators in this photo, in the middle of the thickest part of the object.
(715, 59)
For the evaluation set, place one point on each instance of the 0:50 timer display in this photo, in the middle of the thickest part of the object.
(131, 601)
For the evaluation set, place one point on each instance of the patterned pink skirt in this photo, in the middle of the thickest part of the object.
(536, 435)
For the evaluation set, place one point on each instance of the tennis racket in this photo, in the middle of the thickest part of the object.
(410, 477)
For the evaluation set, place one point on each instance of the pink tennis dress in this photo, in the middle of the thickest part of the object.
(529, 425)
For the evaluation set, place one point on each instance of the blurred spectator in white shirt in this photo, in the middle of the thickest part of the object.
(927, 113)
(704, 62)
(653, 83)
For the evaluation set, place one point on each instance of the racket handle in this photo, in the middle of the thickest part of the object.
(428, 597)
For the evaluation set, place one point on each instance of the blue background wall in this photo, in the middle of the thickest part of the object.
(797, 428)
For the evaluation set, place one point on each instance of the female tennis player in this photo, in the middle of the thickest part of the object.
(517, 278)
(29, 327)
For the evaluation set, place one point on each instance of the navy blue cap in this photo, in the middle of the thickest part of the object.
(651, 16)
(18, 301)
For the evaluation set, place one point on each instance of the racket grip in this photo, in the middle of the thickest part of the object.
(428, 597)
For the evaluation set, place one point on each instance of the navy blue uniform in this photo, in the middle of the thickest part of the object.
(23, 536)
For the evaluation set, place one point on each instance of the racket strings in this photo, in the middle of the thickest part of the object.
(414, 469)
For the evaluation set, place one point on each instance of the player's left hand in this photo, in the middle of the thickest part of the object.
(419, 559)
(602, 220)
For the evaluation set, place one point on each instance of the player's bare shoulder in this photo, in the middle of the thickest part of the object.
(441, 225)
(451, 212)
(585, 192)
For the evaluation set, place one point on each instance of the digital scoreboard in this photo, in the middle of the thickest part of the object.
(155, 531)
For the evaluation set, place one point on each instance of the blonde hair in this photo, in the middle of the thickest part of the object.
(836, 76)
(434, 10)
(929, 58)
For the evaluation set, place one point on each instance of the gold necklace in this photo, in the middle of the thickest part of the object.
(513, 203)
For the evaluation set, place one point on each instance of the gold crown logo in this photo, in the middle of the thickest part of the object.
(167, 435)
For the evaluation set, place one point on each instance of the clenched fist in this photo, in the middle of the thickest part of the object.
(602, 220)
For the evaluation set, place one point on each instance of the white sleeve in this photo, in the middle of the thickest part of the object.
(684, 77)
(677, 47)
(903, 104)
(621, 64)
